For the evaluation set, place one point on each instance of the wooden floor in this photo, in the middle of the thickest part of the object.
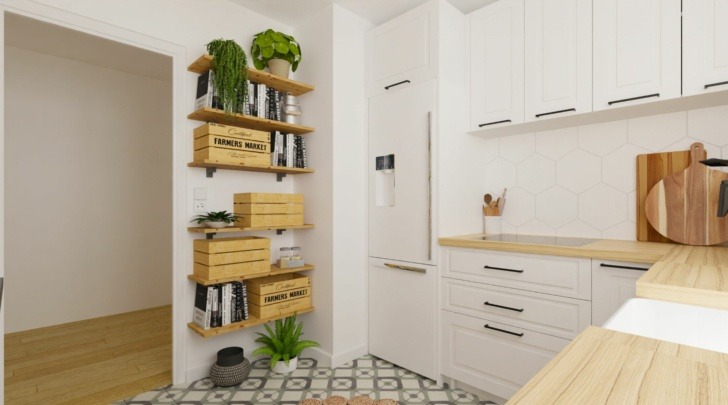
(96, 361)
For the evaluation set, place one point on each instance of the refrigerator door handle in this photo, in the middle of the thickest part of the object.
(429, 185)
(407, 268)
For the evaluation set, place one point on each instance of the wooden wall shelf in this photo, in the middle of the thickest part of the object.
(281, 171)
(205, 230)
(204, 62)
(274, 269)
(218, 116)
(253, 321)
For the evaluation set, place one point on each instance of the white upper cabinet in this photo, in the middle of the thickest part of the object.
(705, 46)
(403, 50)
(558, 58)
(496, 65)
(636, 51)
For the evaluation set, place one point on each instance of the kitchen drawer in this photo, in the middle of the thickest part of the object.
(494, 361)
(557, 316)
(563, 276)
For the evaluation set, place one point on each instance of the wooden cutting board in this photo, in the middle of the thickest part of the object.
(651, 168)
(683, 206)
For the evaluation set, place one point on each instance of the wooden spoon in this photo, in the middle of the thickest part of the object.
(487, 198)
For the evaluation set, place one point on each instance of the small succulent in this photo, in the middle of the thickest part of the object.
(212, 216)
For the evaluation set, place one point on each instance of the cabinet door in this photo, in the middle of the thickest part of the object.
(403, 49)
(558, 50)
(496, 65)
(705, 46)
(636, 52)
(613, 283)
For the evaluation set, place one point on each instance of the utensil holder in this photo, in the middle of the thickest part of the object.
(492, 225)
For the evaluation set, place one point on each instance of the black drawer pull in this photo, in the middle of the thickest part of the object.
(707, 86)
(396, 84)
(633, 98)
(502, 269)
(493, 123)
(614, 266)
(555, 112)
(503, 330)
(502, 306)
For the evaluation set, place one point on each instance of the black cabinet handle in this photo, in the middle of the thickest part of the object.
(503, 330)
(502, 269)
(707, 86)
(396, 84)
(615, 266)
(633, 98)
(502, 306)
(555, 112)
(493, 123)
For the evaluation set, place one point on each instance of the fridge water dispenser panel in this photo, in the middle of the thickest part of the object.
(384, 181)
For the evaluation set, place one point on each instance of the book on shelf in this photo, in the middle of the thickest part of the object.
(203, 306)
(246, 313)
(220, 304)
(215, 308)
(206, 96)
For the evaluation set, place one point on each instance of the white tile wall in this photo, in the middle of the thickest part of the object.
(581, 181)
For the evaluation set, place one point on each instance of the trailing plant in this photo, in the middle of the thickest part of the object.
(230, 65)
(283, 343)
(271, 44)
(219, 216)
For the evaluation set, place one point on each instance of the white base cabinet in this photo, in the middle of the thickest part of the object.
(613, 283)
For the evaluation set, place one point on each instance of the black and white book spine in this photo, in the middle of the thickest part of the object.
(246, 313)
(291, 150)
(304, 158)
(279, 105)
(215, 311)
(201, 312)
(225, 304)
(239, 315)
(233, 304)
(261, 100)
(299, 151)
(281, 147)
(206, 96)
(273, 154)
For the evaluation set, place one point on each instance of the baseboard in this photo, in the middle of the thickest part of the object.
(340, 359)
(199, 372)
(323, 358)
(482, 395)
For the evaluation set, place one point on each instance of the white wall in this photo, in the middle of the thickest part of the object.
(578, 181)
(89, 163)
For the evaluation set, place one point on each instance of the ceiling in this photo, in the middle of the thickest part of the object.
(33, 35)
(291, 12)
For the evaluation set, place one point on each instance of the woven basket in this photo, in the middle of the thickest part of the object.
(231, 375)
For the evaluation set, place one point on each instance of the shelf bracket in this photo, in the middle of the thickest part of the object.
(210, 171)
(209, 235)
(279, 231)
(280, 176)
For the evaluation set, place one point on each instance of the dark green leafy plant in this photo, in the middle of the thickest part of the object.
(219, 216)
(271, 44)
(230, 65)
(284, 343)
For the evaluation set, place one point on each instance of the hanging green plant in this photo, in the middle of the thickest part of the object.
(271, 44)
(230, 65)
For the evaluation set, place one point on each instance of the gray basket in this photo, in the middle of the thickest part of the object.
(231, 375)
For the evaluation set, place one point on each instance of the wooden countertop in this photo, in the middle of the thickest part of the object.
(604, 249)
(602, 366)
(696, 275)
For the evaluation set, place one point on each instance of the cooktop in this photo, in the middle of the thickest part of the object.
(538, 240)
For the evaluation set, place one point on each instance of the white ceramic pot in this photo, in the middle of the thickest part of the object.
(215, 224)
(492, 225)
(282, 368)
(279, 67)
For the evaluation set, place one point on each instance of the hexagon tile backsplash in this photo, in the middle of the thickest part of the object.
(581, 181)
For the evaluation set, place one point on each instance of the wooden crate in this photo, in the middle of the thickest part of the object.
(248, 209)
(218, 259)
(231, 270)
(226, 142)
(245, 221)
(276, 297)
(278, 282)
(232, 157)
(231, 131)
(268, 198)
(281, 308)
(226, 245)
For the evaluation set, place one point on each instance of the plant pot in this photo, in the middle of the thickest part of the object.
(231, 375)
(282, 368)
(230, 356)
(215, 224)
(279, 67)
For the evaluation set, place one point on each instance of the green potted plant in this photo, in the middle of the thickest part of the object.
(230, 67)
(276, 50)
(284, 343)
(216, 220)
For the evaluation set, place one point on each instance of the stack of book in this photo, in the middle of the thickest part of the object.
(220, 304)
(288, 150)
(258, 101)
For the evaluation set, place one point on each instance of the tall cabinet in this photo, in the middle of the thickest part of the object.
(705, 46)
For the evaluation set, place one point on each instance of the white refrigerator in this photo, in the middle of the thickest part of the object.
(402, 272)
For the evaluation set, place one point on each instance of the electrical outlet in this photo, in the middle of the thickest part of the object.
(199, 206)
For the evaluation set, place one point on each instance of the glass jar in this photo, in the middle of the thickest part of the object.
(284, 254)
(295, 253)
